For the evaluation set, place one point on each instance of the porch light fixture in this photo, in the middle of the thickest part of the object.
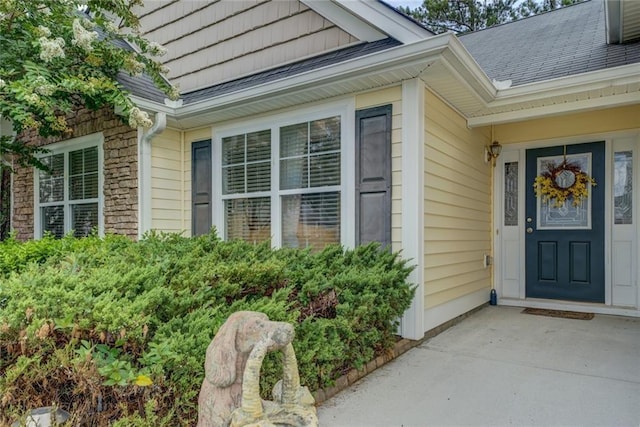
(493, 151)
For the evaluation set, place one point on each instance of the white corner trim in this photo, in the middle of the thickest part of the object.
(413, 123)
(352, 24)
(436, 316)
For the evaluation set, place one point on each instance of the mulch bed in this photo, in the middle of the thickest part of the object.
(559, 313)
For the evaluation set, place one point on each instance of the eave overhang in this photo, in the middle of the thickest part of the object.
(439, 58)
(445, 66)
(614, 87)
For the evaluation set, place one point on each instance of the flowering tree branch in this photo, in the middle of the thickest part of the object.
(56, 55)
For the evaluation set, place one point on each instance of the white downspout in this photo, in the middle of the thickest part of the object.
(144, 171)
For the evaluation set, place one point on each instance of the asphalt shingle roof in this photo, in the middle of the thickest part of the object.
(564, 42)
(290, 70)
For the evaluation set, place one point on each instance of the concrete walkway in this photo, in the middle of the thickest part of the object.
(501, 367)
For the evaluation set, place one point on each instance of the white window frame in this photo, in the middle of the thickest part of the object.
(65, 147)
(345, 109)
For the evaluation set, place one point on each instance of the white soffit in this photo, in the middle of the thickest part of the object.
(369, 20)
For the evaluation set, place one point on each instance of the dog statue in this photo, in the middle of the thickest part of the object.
(230, 393)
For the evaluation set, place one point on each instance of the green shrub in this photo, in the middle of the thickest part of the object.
(115, 331)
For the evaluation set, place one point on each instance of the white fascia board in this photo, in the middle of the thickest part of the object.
(556, 109)
(388, 20)
(349, 22)
(593, 80)
(425, 52)
(517, 96)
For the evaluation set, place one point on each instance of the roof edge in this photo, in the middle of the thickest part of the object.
(379, 15)
(569, 84)
(416, 52)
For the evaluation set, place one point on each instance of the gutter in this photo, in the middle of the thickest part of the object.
(514, 100)
(144, 170)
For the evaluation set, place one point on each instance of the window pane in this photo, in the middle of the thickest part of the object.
(293, 140)
(83, 174)
(259, 176)
(314, 162)
(52, 181)
(52, 220)
(248, 219)
(325, 135)
(311, 220)
(84, 218)
(294, 173)
(55, 165)
(325, 170)
(259, 146)
(91, 186)
(233, 150)
(233, 180)
(246, 163)
(511, 194)
(623, 187)
(51, 190)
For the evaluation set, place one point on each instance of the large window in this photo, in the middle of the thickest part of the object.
(283, 183)
(68, 194)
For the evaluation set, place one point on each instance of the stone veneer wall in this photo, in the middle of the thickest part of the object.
(120, 174)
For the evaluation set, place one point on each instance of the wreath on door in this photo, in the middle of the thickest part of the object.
(562, 182)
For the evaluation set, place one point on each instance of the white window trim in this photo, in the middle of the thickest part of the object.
(345, 109)
(64, 147)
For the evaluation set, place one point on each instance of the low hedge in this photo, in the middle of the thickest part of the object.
(115, 331)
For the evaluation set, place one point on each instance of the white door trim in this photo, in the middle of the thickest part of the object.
(509, 275)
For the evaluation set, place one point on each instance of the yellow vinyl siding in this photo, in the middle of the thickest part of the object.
(391, 96)
(570, 125)
(457, 202)
(236, 38)
(166, 182)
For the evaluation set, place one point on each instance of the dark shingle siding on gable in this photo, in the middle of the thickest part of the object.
(291, 70)
(564, 42)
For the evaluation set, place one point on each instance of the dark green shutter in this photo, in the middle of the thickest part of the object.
(373, 175)
(201, 187)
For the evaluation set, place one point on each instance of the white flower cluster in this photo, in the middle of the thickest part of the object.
(51, 48)
(139, 118)
(82, 37)
(44, 31)
(32, 98)
(174, 93)
(134, 67)
(2, 83)
(156, 49)
(43, 87)
(111, 27)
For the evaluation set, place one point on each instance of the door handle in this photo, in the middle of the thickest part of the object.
(529, 230)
